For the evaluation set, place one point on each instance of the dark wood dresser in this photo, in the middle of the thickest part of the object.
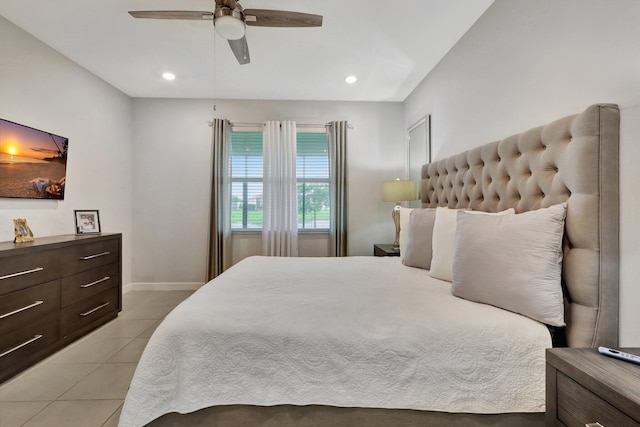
(53, 291)
(587, 388)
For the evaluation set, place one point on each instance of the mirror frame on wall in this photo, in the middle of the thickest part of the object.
(418, 151)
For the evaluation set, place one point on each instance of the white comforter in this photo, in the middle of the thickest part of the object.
(354, 332)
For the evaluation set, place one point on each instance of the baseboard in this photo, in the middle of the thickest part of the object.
(165, 286)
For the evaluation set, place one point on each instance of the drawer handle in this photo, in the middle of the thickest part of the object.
(27, 307)
(19, 346)
(86, 313)
(596, 424)
(84, 258)
(22, 273)
(88, 285)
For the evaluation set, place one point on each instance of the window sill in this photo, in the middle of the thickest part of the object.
(255, 232)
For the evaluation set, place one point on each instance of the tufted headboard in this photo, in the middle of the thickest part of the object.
(573, 159)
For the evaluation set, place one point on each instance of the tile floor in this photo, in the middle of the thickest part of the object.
(85, 383)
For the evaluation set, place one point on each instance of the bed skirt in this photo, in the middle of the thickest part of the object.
(322, 416)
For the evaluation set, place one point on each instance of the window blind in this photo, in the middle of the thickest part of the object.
(312, 171)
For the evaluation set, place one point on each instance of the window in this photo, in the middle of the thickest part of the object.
(246, 180)
(312, 173)
(312, 170)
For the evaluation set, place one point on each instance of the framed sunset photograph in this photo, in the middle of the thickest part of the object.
(33, 163)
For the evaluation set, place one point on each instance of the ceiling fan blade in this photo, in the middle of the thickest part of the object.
(173, 14)
(240, 49)
(281, 18)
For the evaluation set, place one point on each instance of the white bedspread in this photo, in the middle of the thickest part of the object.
(354, 332)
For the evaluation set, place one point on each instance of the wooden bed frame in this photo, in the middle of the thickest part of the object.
(574, 159)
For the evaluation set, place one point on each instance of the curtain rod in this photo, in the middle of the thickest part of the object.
(301, 125)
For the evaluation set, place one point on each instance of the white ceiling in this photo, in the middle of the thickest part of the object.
(389, 46)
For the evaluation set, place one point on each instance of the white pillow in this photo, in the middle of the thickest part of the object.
(513, 262)
(405, 214)
(444, 238)
(418, 252)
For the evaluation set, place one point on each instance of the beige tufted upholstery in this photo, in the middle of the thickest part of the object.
(574, 159)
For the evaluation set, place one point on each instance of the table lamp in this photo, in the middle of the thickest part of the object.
(398, 191)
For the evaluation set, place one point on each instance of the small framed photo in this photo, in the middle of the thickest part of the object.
(22, 231)
(87, 222)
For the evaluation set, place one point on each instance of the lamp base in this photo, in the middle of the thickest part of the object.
(395, 214)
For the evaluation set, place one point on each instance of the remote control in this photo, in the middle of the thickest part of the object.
(619, 355)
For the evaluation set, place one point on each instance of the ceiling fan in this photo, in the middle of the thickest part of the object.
(230, 20)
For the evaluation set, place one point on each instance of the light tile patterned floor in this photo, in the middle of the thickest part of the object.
(85, 384)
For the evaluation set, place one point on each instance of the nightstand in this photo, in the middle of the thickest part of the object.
(381, 249)
(587, 388)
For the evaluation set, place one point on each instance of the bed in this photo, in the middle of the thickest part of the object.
(371, 341)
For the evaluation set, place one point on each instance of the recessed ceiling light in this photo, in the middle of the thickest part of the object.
(351, 79)
(169, 76)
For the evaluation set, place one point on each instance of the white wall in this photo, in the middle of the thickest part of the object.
(522, 64)
(171, 176)
(43, 89)
(525, 63)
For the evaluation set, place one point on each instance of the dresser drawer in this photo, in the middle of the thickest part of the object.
(28, 305)
(84, 312)
(87, 256)
(578, 406)
(23, 271)
(19, 348)
(83, 285)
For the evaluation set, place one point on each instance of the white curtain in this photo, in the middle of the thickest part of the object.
(280, 205)
(219, 258)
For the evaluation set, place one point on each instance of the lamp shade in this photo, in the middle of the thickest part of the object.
(229, 27)
(398, 190)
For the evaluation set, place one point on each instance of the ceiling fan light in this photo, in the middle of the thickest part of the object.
(229, 27)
